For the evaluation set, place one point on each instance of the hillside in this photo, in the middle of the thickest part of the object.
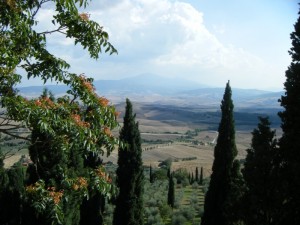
(150, 88)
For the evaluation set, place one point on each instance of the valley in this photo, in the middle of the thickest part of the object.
(179, 119)
(187, 135)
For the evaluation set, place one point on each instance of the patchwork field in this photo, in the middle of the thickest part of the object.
(186, 135)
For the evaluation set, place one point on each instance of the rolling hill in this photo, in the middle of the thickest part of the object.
(150, 88)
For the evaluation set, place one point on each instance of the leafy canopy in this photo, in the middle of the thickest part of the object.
(81, 119)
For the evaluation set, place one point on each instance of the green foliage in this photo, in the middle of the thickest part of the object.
(261, 176)
(166, 163)
(289, 142)
(130, 176)
(201, 176)
(225, 175)
(11, 195)
(178, 219)
(160, 174)
(171, 192)
(181, 176)
(151, 177)
(197, 175)
(65, 130)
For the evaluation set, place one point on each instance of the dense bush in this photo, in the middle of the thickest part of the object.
(182, 177)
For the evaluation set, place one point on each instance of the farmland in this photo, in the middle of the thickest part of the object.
(185, 135)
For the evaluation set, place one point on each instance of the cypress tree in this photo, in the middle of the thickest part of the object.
(192, 179)
(201, 176)
(12, 192)
(171, 192)
(151, 175)
(169, 172)
(4, 181)
(259, 172)
(219, 195)
(130, 178)
(289, 142)
(197, 175)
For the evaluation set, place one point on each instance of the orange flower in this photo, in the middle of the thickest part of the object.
(75, 187)
(84, 16)
(48, 102)
(37, 102)
(88, 86)
(101, 174)
(107, 131)
(56, 196)
(76, 118)
(86, 83)
(117, 114)
(31, 188)
(80, 183)
(103, 101)
(44, 102)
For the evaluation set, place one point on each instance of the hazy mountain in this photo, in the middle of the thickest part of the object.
(161, 90)
(145, 84)
(241, 97)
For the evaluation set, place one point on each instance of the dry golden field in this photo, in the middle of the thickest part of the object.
(163, 130)
(176, 150)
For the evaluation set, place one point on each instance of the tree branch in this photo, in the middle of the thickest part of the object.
(52, 31)
(15, 135)
(38, 7)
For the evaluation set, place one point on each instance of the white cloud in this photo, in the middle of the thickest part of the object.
(160, 36)
(167, 33)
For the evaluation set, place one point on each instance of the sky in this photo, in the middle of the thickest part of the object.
(206, 41)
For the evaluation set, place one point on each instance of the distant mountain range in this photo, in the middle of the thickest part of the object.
(157, 89)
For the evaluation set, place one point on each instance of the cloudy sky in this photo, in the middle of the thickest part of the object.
(207, 41)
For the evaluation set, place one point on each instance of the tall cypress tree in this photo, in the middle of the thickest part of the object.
(290, 143)
(224, 173)
(260, 174)
(201, 176)
(197, 175)
(171, 192)
(151, 175)
(130, 177)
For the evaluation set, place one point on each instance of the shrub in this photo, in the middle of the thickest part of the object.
(182, 177)
(178, 219)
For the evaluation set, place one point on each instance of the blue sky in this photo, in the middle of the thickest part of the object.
(207, 41)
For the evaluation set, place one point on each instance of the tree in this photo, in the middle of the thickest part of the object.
(260, 174)
(11, 195)
(151, 177)
(197, 174)
(192, 179)
(219, 194)
(289, 142)
(92, 207)
(130, 177)
(69, 128)
(171, 192)
(201, 176)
